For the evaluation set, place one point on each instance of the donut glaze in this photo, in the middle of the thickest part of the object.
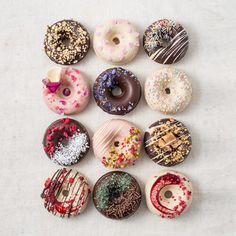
(165, 41)
(116, 41)
(66, 91)
(66, 142)
(168, 90)
(117, 143)
(167, 142)
(66, 42)
(168, 194)
(107, 82)
(66, 193)
(117, 195)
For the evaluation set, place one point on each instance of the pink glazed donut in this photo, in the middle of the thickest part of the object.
(66, 91)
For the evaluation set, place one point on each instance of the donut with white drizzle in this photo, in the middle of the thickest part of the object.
(167, 142)
(165, 41)
(116, 41)
(66, 141)
(66, 91)
(66, 193)
(168, 194)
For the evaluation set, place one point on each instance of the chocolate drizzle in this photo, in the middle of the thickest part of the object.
(66, 193)
(117, 195)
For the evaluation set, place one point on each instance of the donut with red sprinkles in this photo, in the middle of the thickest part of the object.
(66, 141)
(66, 193)
(168, 194)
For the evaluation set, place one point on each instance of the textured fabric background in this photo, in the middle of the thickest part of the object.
(210, 63)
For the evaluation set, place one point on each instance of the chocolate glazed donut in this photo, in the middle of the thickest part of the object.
(107, 82)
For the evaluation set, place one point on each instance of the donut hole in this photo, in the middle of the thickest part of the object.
(167, 90)
(117, 91)
(66, 92)
(65, 192)
(65, 41)
(116, 40)
(168, 194)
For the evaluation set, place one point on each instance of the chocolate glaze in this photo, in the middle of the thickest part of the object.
(117, 195)
(167, 142)
(165, 41)
(77, 42)
(109, 80)
(60, 134)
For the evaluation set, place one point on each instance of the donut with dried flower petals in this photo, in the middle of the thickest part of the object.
(66, 91)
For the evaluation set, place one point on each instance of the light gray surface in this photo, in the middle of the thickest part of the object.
(210, 62)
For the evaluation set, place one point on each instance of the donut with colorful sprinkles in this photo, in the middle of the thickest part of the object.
(117, 91)
(117, 195)
(66, 193)
(165, 41)
(168, 194)
(116, 41)
(66, 42)
(168, 90)
(66, 141)
(117, 143)
(66, 91)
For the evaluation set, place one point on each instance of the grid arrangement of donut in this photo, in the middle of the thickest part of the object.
(116, 143)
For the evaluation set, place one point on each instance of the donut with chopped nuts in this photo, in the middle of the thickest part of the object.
(66, 193)
(66, 42)
(168, 90)
(167, 142)
(66, 141)
(117, 91)
(66, 91)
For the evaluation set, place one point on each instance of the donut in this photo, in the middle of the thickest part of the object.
(168, 90)
(117, 143)
(66, 141)
(112, 80)
(165, 41)
(167, 142)
(116, 41)
(66, 193)
(66, 90)
(66, 42)
(168, 194)
(117, 195)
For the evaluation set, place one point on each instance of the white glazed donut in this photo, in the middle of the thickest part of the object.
(168, 194)
(117, 143)
(168, 90)
(116, 41)
(66, 90)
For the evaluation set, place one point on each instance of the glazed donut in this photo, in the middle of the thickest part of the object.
(116, 41)
(168, 90)
(168, 194)
(167, 142)
(66, 193)
(66, 91)
(66, 42)
(117, 143)
(66, 141)
(165, 41)
(117, 195)
(110, 80)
